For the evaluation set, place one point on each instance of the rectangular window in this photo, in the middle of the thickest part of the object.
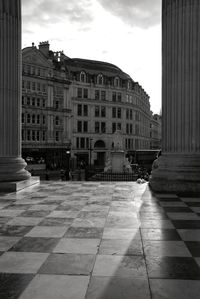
(119, 126)
(79, 109)
(57, 104)
(79, 126)
(38, 119)
(85, 126)
(79, 92)
(113, 127)
(131, 129)
(103, 127)
(43, 120)
(33, 85)
(33, 119)
(127, 113)
(114, 112)
(96, 111)
(33, 101)
(127, 128)
(85, 93)
(85, 110)
(119, 112)
(23, 84)
(57, 135)
(38, 86)
(96, 127)
(43, 135)
(131, 114)
(87, 142)
(103, 111)
(23, 100)
(43, 103)
(38, 102)
(82, 142)
(77, 142)
(38, 135)
(103, 95)
(28, 118)
(97, 94)
(114, 96)
(119, 97)
(38, 72)
(28, 135)
(33, 135)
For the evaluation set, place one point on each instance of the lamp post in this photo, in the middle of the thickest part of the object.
(90, 149)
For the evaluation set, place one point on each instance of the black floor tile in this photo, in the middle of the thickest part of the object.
(172, 268)
(14, 230)
(12, 285)
(28, 244)
(177, 210)
(84, 232)
(56, 221)
(194, 248)
(194, 224)
(160, 234)
(35, 213)
(78, 264)
(193, 204)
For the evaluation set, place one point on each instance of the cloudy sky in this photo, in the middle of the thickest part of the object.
(126, 33)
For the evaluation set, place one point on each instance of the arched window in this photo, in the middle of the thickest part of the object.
(100, 79)
(82, 77)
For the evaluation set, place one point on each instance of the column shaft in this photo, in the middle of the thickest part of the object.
(179, 164)
(11, 163)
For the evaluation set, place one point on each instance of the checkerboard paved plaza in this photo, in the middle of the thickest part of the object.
(77, 240)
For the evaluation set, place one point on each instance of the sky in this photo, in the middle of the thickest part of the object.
(126, 33)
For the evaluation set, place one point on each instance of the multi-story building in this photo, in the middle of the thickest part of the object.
(155, 132)
(45, 109)
(80, 103)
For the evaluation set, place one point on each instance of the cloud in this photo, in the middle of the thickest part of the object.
(45, 12)
(136, 13)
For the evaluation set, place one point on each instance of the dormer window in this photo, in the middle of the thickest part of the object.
(83, 77)
(116, 81)
(100, 79)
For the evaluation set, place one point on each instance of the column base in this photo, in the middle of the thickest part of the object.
(13, 169)
(177, 173)
(7, 187)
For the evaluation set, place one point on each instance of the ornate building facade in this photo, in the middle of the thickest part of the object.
(77, 105)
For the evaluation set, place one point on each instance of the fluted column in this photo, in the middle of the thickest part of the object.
(179, 164)
(11, 163)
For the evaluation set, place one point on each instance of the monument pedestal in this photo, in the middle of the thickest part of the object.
(117, 161)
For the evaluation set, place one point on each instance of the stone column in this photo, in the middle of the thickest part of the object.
(179, 164)
(11, 163)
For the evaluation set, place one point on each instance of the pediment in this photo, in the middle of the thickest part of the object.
(33, 56)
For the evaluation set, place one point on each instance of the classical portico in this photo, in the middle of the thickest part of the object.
(179, 164)
(11, 164)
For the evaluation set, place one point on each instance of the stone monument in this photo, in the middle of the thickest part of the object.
(179, 164)
(12, 166)
(117, 162)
